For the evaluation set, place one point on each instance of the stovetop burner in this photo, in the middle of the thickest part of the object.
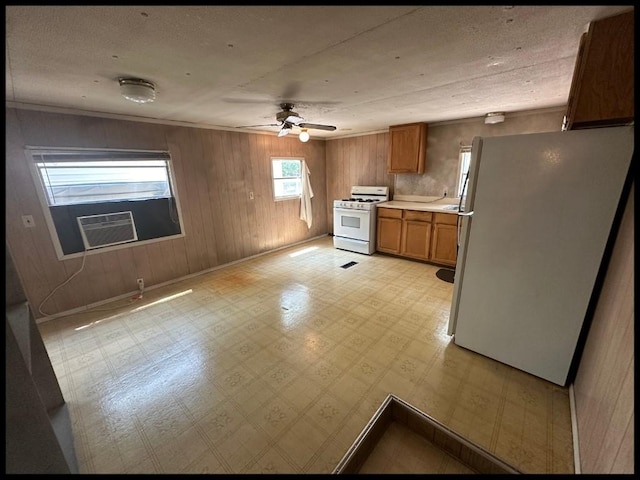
(363, 198)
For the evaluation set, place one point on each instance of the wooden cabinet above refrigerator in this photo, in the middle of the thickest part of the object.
(603, 79)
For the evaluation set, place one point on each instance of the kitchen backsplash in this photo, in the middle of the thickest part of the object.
(443, 148)
(429, 184)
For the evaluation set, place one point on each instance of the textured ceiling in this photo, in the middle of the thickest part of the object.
(360, 68)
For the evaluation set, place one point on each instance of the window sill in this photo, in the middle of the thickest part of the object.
(112, 248)
(293, 197)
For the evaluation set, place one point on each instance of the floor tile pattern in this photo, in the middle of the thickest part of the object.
(275, 364)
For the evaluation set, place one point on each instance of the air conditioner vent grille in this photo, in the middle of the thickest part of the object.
(107, 229)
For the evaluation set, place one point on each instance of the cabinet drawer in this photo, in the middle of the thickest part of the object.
(417, 215)
(389, 212)
(446, 218)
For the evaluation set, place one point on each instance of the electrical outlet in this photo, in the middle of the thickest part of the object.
(250, 195)
(140, 284)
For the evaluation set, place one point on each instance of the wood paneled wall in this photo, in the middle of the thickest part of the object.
(356, 161)
(604, 384)
(214, 173)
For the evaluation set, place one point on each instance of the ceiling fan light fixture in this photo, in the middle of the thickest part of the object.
(137, 90)
(287, 119)
(494, 117)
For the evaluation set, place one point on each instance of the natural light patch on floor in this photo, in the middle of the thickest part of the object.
(163, 300)
(126, 312)
(92, 324)
(302, 251)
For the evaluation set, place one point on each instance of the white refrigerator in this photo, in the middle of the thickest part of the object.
(534, 223)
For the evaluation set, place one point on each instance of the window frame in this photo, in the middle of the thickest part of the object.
(31, 152)
(462, 153)
(274, 178)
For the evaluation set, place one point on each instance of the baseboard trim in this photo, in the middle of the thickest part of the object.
(574, 430)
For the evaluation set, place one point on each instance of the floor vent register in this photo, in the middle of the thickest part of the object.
(348, 265)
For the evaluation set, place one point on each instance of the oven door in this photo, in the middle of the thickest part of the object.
(352, 223)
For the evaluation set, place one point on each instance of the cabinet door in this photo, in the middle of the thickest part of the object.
(389, 233)
(407, 148)
(416, 236)
(567, 121)
(444, 244)
(602, 89)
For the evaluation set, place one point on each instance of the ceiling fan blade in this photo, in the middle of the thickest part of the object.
(262, 125)
(294, 119)
(284, 130)
(316, 126)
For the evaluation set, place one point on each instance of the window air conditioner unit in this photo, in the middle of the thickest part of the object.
(107, 229)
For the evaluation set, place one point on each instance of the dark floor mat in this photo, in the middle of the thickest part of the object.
(446, 274)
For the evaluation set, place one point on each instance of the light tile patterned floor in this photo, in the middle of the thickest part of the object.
(276, 364)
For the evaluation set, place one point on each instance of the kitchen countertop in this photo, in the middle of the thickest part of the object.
(424, 204)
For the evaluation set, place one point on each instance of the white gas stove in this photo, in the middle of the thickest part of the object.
(354, 219)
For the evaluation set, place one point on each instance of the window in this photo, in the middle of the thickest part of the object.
(72, 182)
(287, 173)
(465, 159)
(75, 184)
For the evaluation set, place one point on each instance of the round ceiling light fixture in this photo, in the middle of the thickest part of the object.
(494, 117)
(137, 90)
(304, 135)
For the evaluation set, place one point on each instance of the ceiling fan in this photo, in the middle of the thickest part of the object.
(287, 119)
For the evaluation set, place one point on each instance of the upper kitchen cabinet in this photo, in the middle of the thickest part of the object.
(407, 148)
(602, 86)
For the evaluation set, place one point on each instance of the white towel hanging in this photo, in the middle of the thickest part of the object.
(306, 214)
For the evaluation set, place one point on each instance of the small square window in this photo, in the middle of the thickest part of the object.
(287, 174)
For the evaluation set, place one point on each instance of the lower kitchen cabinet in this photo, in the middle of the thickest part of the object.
(389, 230)
(444, 243)
(418, 234)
